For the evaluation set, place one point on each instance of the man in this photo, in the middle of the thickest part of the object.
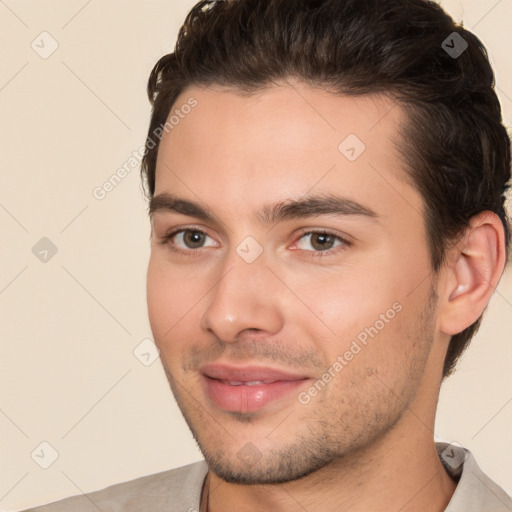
(326, 182)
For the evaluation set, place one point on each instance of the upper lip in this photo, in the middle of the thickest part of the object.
(248, 373)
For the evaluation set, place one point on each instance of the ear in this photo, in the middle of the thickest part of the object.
(473, 272)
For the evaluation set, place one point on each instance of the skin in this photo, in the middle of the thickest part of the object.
(365, 441)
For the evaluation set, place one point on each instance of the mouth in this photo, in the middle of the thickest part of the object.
(248, 388)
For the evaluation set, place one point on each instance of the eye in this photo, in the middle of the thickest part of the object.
(316, 243)
(188, 239)
(320, 241)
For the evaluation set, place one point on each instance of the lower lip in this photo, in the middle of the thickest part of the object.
(247, 398)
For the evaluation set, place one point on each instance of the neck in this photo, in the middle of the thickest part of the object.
(400, 471)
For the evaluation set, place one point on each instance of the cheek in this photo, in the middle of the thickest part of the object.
(368, 316)
(350, 300)
(372, 293)
(158, 297)
(170, 299)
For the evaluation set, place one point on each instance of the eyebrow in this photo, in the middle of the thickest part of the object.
(311, 206)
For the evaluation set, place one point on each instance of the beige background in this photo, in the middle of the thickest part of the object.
(69, 326)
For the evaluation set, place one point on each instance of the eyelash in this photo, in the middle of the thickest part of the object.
(167, 239)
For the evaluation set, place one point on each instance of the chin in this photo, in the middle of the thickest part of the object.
(250, 466)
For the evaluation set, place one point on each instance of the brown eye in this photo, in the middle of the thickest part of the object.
(193, 239)
(319, 241)
(188, 240)
(322, 241)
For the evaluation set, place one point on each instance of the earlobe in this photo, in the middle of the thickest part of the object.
(477, 266)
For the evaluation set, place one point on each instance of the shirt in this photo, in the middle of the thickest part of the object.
(179, 490)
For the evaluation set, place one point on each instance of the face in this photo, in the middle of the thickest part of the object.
(289, 284)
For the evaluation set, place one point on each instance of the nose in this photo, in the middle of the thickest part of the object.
(244, 298)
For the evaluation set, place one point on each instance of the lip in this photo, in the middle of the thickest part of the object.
(248, 373)
(227, 386)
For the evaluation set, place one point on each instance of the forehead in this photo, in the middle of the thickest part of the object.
(279, 142)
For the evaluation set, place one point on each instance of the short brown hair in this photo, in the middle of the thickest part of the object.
(455, 147)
